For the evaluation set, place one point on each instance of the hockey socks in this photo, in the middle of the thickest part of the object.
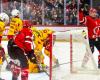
(16, 72)
(24, 74)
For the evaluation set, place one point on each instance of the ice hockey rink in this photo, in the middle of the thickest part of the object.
(7, 75)
(61, 50)
(63, 72)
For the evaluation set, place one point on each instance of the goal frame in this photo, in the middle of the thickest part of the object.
(87, 55)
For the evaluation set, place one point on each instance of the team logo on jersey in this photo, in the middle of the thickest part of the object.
(96, 30)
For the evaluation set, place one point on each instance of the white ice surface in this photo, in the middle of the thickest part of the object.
(61, 73)
(62, 52)
(7, 75)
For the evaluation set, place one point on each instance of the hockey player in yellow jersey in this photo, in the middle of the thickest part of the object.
(15, 23)
(37, 50)
(15, 26)
(4, 19)
(40, 37)
(46, 37)
(33, 68)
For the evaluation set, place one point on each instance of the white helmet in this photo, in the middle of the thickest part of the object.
(15, 12)
(4, 17)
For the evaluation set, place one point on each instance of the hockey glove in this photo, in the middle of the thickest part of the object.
(31, 56)
(2, 52)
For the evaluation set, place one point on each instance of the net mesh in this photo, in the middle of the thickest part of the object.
(72, 62)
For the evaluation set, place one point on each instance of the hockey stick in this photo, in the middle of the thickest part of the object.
(64, 64)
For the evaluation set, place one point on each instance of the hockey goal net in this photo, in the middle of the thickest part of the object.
(72, 50)
(81, 58)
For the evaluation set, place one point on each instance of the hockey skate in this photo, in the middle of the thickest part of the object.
(2, 79)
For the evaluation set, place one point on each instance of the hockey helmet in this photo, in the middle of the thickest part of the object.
(4, 17)
(27, 23)
(92, 10)
(15, 12)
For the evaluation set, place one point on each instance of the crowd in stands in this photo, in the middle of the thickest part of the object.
(96, 4)
(71, 12)
(54, 11)
(48, 12)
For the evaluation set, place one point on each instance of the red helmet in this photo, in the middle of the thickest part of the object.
(26, 23)
(92, 10)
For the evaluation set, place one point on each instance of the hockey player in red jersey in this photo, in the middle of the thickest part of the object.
(20, 49)
(93, 26)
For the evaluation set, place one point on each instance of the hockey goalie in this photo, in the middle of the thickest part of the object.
(92, 23)
(41, 40)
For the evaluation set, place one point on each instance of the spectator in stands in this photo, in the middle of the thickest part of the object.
(54, 11)
(71, 12)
